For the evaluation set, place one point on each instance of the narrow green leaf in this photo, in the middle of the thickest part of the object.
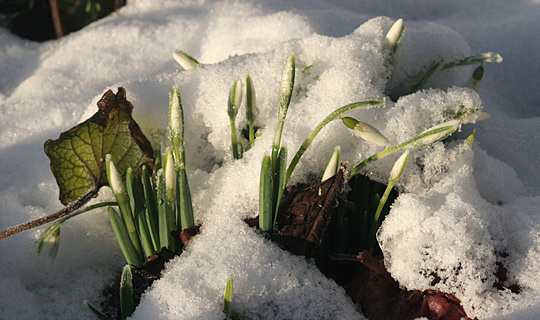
(127, 303)
(78, 155)
(251, 107)
(228, 297)
(265, 195)
(186, 207)
(131, 255)
(96, 312)
(144, 235)
(136, 198)
(151, 208)
(164, 209)
(278, 181)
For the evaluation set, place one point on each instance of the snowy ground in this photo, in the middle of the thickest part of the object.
(487, 201)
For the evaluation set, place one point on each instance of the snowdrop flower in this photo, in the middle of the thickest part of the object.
(473, 118)
(492, 57)
(50, 246)
(235, 99)
(475, 80)
(287, 83)
(332, 166)
(394, 35)
(185, 60)
(115, 180)
(435, 133)
(175, 113)
(365, 131)
(170, 175)
(398, 167)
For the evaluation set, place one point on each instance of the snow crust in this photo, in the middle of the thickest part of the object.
(463, 209)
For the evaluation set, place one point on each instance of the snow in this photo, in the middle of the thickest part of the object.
(461, 206)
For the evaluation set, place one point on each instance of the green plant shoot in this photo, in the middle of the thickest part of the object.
(233, 105)
(251, 108)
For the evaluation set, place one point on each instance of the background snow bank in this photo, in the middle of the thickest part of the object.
(46, 89)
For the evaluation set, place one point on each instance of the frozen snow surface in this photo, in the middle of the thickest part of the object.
(463, 212)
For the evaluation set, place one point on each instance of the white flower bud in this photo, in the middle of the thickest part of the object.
(287, 82)
(235, 99)
(492, 57)
(398, 167)
(366, 131)
(175, 112)
(185, 60)
(170, 175)
(332, 166)
(115, 180)
(394, 35)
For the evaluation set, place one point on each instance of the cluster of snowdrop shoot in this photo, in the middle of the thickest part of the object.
(147, 217)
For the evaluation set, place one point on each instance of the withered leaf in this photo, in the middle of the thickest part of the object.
(381, 298)
(307, 213)
(78, 155)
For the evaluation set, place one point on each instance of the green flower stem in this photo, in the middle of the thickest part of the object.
(55, 226)
(334, 115)
(432, 135)
(480, 58)
(131, 254)
(234, 139)
(376, 217)
(433, 68)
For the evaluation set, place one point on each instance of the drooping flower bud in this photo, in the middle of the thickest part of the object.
(366, 131)
(185, 60)
(435, 133)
